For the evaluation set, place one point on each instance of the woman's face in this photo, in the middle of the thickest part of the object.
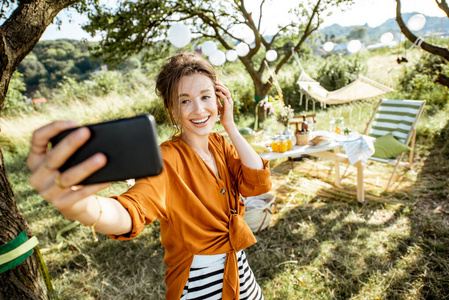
(198, 104)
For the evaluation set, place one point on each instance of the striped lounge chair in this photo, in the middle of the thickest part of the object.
(398, 117)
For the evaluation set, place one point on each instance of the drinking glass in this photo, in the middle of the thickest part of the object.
(311, 123)
(339, 125)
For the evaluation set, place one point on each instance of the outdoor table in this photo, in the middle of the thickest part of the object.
(324, 152)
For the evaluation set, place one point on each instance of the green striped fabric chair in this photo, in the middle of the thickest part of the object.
(398, 117)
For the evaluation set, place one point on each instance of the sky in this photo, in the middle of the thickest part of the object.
(371, 12)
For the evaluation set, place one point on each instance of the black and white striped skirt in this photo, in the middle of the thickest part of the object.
(206, 278)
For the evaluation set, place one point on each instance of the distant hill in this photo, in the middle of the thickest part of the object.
(51, 61)
(433, 26)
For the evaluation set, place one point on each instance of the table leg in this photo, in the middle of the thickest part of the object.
(360, 184)
(337, 170)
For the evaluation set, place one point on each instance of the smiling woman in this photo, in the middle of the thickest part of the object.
(198, 104)
(196, 197)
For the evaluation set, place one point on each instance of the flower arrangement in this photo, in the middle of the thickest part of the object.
(284, 115)
(274, 106)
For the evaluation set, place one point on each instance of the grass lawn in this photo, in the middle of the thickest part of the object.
(321, 244)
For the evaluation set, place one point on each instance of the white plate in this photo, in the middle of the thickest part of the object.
(322, 144)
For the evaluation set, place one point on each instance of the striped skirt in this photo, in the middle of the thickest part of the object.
(206, 278)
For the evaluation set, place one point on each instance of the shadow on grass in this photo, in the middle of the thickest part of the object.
(328, 249)
(430, 219)
(77, 265)
(319, 248)
(109, 269)
(332, 248)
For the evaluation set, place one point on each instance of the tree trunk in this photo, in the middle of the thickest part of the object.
(23, 281)
(261, 91)
(18, 36)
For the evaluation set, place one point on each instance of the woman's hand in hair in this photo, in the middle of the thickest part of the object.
(225, 105)
(247, 155)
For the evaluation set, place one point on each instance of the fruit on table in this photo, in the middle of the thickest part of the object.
(246, 131)
(259, 148)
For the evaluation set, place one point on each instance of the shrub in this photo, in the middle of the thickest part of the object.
(418, 82)
(100, 84)
(241, 86)
(290, 89)
(338, 71)
(106, 82)
(69, 89)
(15, 100)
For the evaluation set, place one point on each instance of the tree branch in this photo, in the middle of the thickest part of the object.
(307, 32)
(260, 14)
(433, 49)
(281, 30)
(252, 26)
(442, 79)
(443, 6)
(21, 32)
(212, 23)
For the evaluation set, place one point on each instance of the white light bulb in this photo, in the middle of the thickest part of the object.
(208, 48)
(242, 49)
(217, 58)
(179, 35)
(271, 55)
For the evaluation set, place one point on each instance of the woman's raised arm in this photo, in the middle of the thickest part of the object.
(248, 156)
(75, 202)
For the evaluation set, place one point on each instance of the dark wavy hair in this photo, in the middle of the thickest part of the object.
(167, 82)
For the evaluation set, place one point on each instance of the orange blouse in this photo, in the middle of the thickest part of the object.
(199, 212)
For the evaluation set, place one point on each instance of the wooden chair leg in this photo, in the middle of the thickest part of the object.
(412, 150)
(337, 170)
(360, 183)
(394, 171)
(344, 173)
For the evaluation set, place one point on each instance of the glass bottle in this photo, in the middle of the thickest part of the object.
(289, 142)
(332, 125)
(282, 144)
(339, 124)
(297, 133)
(274, 144)
(305, 125)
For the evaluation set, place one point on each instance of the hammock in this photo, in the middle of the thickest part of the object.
(361, 88)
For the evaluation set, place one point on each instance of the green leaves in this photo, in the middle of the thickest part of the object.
(338, 71)
(51, 61)
(15, 100)
(131, 28)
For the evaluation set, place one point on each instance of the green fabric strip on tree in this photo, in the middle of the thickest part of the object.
(16, 251)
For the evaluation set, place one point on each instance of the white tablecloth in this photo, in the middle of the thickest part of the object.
(357, 147)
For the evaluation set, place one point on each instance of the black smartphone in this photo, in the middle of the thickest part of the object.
(129, 144)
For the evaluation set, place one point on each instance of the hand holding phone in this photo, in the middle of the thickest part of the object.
(130, 146)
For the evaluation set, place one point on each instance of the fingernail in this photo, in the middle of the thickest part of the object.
(99, 158)
(81, 131)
